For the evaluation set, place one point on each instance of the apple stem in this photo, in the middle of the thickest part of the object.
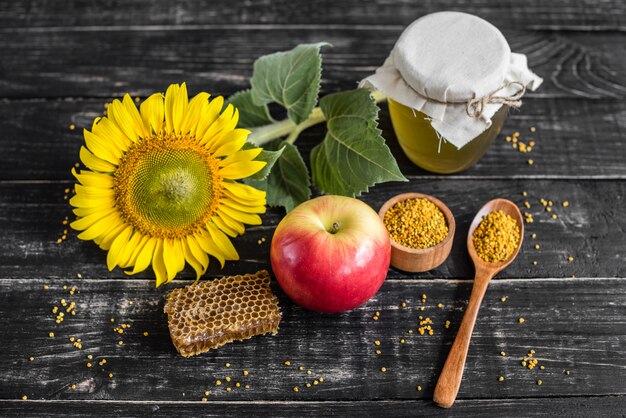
(335, 228)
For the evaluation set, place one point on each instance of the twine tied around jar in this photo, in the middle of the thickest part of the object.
(475, 106)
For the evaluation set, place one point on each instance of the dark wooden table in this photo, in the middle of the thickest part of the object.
(61, 60)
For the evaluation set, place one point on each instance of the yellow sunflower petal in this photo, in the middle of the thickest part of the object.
(110, 132)
(91, 179)
(222, 125)
(248, 218)
(240, 156)
(247, 208)
(180, 255)
(102, 148)
(153, 113)
(228, 220)
(171, 258)
(189, 257)
(158, 265)
(117, 247)
(245, 202)
(144, 257)
(125, 259)
(243, 191)
(94, 192)
(223, 226)
(114, 227)
(242, 170)
(100, 228)
(209, 115)
(222, 242)
(84, 223)
(197, 252)
(85, 201)
(196, 106)
(82, 212)
(124, 118)
(94, 163)
(175, 106)
(206, 243)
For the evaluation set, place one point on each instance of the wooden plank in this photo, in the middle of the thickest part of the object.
(561, 14)
(575, 139)
(591, 230)
(112, 61)
(573, 325)
(570, 407)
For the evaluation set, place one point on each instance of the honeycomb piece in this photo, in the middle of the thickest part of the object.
(209, 314)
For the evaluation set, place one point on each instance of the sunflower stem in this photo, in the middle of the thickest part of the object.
(263, 134)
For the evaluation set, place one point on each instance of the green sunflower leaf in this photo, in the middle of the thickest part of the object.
(270, 157)
(353, 156)
(290, 78)
(250, 114)
(288, 183)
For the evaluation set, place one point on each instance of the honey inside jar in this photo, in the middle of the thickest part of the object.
(426, 149)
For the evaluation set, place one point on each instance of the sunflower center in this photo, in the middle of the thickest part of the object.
(167, 186)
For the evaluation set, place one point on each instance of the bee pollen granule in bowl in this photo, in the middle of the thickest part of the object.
(496, 237)
(416, 223)
(209, 314)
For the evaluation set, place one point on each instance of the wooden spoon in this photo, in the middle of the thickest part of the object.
(450, 378)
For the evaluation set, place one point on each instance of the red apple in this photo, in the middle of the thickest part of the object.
(331, 254)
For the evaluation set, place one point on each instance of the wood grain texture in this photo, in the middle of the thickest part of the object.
(580, 139)
(591, 230)
(105, 62)
(571, 407)
(536, 14)
(572, 324)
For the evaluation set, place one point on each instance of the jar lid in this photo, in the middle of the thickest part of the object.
(456, 68)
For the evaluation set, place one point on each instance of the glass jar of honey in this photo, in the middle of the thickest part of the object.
(450, 81)
(428, 150)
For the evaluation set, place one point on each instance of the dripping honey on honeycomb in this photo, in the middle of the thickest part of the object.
(209, 314)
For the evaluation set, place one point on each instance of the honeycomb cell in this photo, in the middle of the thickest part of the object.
(206, 315)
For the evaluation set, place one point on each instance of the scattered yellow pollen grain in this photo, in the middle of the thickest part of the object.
(570, 259)
(237, 384)
(537, 246)
(204, 399)
(503, 299)
(419, 388)
(383, 369)
(542, 367)
(120, 342)
(228, 378)
(51, 334)
(218, 382)
(227, 364)
(72, 127)
(89, 357)
(524, 194)
(145, 333)
(308, 372)
(287, 363)
(565, 204)
(321, 379)
(508, 139)
(567, 372)
(421, 308)
(31, 358)
(530, 162)
(247, 386)
(440, 305)
(532, 129)
(301, 368)
(110, 375)
(295, 389)
(501, 378)
(554, 216)
(315, 382)
(403, 304)
(228, 389)
(502, 353)
(534, 263)
(89, 364)
(376, 342)
(401, 340)
(521, 320)
(245, 372)
(308, 385)
(447, 325)
(378, 352)
(539, 382)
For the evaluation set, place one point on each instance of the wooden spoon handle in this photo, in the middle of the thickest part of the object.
(450, 378)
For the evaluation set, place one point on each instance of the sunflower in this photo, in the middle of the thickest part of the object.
(161, 186)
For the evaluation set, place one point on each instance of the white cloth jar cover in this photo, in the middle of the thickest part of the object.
(456, 68)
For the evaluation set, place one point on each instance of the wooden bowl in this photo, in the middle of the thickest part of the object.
(416, 260)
